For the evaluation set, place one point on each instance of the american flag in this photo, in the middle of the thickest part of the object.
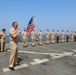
(31, 25)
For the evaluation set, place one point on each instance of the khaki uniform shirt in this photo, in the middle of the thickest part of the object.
(67, 34)
(33, 34)
(75, 34)
(62, 34)
(40, 34)
(52, 33)
(12, 33)
(47, 34)
(2, 35)
(24, 34)
(57, 33)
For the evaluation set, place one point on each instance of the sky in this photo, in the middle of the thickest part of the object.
(49, 14)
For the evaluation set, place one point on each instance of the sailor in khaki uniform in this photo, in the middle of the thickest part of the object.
(72, 36)
(47, 37)
(67, 36)
(24, 37)
(0, 43)
(75, 36)
(52, 36)
(33, 35)
(40, 36)
(62, 36)
(3, 36)
(13, 45)
(57, 36)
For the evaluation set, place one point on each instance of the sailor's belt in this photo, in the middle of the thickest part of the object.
(13, 40)
(2, 38)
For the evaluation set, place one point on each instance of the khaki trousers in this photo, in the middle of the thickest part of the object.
(52, 39)
(40, 40)
(57, 39)
(67, 38)
(2, 44)
(33, 40)
(13, 53)
(25, 41)
(47, 40)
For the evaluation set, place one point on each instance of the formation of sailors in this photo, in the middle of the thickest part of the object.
(48, 35)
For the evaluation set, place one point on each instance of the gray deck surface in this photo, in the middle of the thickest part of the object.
(53, 59)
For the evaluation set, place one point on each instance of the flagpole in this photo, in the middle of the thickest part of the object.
(36, 22)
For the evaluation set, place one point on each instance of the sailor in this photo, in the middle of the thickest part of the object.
(33, 35)
(0, 43)
(47, 37)
(67, 36)
(52, 36)
(62, 36)
(40, 35)
(3, 36)
(75, 36)
(14, 38)
(57, 36)
(24, 37)
(72, 36)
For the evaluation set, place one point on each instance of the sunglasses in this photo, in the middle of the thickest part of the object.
(16, 25)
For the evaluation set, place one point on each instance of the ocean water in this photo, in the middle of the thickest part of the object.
(29, 38)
